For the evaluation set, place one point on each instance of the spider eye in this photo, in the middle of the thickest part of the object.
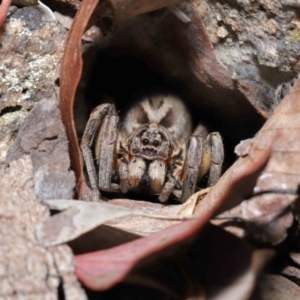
(156, 143)
(145, 141)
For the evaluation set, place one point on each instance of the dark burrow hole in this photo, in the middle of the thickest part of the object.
(124, 79)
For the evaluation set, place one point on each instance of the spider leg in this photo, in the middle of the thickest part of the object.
(173, 178)
(175, 165)
(191, 167)
(167, 189)
(201, 130)
(216, 158)
(96, 120)
(106, 149)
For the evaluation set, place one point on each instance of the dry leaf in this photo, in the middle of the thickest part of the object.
(188, 208)
(282, 172)
(102, 237)
(4, 10)
(268, 217)
(141, 225)
(295, 256)
(242, 149)
(276, 287)
(277, 186)
(75, 221)
(79, 217)
(231, 275)
(267, 212)
(292, 273)
(71, 68)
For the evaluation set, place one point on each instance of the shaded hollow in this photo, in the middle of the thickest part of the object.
(124, 78)
(113, 75)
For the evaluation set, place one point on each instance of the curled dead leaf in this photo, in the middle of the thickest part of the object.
(276, 287)
(78, 217)
(268, 216)
(71, 69)
(188, 208)
(4, 10)
(267, 212)
(219, 278)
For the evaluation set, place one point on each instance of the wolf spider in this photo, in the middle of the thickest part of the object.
(152, 148)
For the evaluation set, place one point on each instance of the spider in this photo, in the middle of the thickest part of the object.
(152, 148)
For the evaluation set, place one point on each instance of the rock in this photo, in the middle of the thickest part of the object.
(42, 136)
(32, 45)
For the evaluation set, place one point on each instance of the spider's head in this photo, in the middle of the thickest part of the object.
(151, 141)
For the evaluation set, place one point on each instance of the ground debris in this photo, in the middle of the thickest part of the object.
(27, 269)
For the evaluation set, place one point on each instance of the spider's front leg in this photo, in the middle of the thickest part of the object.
(102, 127)
(191, 167)
(202, 158)
(214, 145)
(173, 176)
(184, 171)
